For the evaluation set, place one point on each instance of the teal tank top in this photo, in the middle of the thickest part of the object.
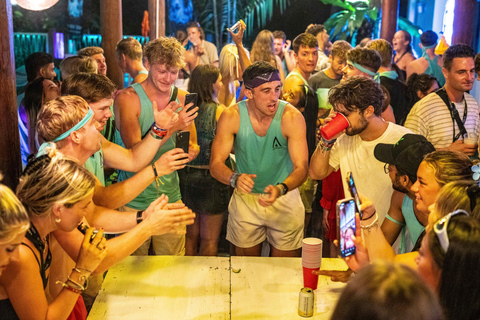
(267, 156)
(433, 68)
(169, 184)
(414, 227)
(94, 164)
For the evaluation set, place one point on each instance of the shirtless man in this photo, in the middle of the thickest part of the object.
(271, 152)
(133, 114)
(429, 63)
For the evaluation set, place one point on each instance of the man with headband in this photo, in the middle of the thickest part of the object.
(429, 62)
(365, 63)
(268, 136)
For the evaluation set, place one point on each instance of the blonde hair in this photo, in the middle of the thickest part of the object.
(89, 51)
(73, 65)
(165, 50)
(14, 219)
(51, 179)
(129, 47)
(262, 49)
(229, 66)
(384, 49)
(60, 115)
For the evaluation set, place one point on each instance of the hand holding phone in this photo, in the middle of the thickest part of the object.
(354, 193)
(183, 140)
(346, 226)
(191, 98)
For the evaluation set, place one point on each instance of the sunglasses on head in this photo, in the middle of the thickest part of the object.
(440, 228)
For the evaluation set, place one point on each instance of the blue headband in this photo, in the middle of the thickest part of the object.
(79, 125)
(375, 75)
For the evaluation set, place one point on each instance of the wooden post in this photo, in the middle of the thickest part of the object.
(112, 32)
(10, 160)
(156, 14)
(463, 21)
(389, 19)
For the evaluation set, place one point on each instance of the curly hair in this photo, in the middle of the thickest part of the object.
(165, 50)
(456, 51)
(358, 93)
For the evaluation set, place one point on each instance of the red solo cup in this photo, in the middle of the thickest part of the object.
(335, 126)
(310, 280)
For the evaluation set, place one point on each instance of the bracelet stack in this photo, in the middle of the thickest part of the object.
(157, 132)
(326, 145)
(368, 227)
(73, 285)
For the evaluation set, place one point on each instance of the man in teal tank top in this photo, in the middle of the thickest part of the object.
(134, 109)
(129, 56)
(402, 160)
(268, 136)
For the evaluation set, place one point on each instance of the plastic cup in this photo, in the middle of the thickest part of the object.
(471, 139)
(310, 280)
(334, 127)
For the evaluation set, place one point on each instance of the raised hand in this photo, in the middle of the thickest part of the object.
(167, 117)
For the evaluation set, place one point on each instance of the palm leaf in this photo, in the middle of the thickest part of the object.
(339, 3)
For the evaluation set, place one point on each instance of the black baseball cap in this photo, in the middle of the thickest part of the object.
(428, 38)
(406, 154)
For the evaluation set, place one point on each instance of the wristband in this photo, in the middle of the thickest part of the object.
(157, 132)
(139, 216)
(66, 286)
(233, 179)
(371, 224)
(283, 188)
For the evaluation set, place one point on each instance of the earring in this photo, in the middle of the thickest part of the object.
(58, 220)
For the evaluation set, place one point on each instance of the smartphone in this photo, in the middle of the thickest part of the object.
(189, 98)
(183, 139)
(82, 227)
(354, 193)
(346, 226)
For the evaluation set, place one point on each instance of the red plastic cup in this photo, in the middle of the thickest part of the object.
(310, 280)
(335, 126)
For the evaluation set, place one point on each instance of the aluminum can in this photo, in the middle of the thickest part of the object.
(305, 302)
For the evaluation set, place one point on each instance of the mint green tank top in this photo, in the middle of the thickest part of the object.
(267, 156)
(414, 227)
(169, 184)
(94, 164)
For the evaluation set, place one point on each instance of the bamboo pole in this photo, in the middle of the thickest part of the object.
(10, 160)
(112, 32)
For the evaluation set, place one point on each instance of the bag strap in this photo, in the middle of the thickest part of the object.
(453, 112)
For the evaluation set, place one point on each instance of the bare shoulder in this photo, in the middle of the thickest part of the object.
(127, 95)
(293, 82)
(291, 113)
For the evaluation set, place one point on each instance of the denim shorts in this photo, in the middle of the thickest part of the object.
(202, 193)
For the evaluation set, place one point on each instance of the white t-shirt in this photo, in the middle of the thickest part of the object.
(431, 118)
(352, 154)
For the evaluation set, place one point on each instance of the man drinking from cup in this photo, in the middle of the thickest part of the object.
(360, 101)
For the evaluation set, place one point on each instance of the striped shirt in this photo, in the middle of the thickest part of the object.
(431, 118)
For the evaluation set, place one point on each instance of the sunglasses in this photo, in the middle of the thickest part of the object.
(440, 228)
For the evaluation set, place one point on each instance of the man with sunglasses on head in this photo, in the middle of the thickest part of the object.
(402, 160)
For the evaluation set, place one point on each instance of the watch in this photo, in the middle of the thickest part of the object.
(283, 188)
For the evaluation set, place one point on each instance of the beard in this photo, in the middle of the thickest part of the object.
(351, 131)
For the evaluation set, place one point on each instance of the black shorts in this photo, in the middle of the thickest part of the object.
(202, 193)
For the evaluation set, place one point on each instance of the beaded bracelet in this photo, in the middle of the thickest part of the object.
(326, 145)
(371, 224)
(157, 132)
(66, 286)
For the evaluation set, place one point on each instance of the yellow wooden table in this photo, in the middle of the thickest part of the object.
(178, 288)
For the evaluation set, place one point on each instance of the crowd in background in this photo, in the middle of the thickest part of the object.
(112, 160)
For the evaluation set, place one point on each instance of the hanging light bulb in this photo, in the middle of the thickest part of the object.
(36, 5)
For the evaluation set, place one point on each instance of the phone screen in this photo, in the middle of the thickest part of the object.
(189, 98)
(354, 193)
(346, 226)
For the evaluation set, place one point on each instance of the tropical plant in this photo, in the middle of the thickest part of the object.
(359, 19)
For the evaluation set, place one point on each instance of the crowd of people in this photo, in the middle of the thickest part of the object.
(110, 161)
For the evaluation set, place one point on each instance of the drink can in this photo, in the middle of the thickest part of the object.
(305, 302)
(236, 26)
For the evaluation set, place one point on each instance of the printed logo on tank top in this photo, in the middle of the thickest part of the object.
(276, 144)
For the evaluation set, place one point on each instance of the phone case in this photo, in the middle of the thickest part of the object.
(345, 221)
(189, 98)
(182, 141)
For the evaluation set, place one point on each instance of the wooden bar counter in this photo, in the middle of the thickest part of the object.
(166, 287)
